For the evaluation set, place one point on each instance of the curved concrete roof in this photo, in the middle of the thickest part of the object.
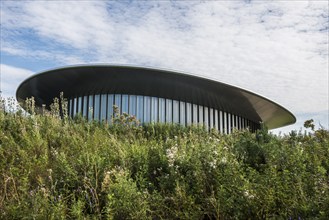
(96, 79)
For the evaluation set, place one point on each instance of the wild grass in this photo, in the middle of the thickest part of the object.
(54, 167)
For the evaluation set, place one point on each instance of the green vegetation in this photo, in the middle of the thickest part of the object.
(52, 168)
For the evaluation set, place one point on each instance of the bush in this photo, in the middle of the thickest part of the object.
(53, 168)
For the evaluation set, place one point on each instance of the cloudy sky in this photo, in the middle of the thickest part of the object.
(278, 49)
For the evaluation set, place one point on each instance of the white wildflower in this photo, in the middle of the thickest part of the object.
(223, 160)
(247, 194)
(171, 155)
(213, 164)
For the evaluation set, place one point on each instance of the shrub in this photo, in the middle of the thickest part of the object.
(54, 167)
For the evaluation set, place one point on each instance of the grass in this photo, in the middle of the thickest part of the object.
(53, 168)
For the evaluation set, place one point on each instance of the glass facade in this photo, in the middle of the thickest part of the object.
(153, 109)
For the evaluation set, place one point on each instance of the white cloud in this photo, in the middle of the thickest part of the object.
(276, 48)
(11, 77)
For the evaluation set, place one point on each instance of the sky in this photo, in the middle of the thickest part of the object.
(278, 49)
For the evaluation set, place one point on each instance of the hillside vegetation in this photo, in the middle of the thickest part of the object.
(52, 168)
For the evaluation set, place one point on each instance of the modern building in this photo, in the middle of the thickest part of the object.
(154, 95)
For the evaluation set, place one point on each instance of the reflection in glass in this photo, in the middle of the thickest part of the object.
(125, 104)
(85, 106)
(216, 119)
(188, 113)
(211, 118)
(182, 113)
(97, 107)
(103, 106)
(175, 111)
(90, 107)
(79, 105)
(169, 111)
(140, 109)
(132, 105)
(74, 106)
(154, 109)
(147, 108)
(206, 117)
(162, 110)
(110, 103)
(117, 102)
(70, 107)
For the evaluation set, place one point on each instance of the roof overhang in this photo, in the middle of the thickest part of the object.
(111, 79)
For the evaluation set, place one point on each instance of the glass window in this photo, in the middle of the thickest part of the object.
(124, 104)
(211, 117)
(169, 114)
(220, 122)
(117, 102)
(74, 106)
(195, 114)
(79, 105)
(154, 109)
(70, 107)
(103, 106)
(90, 107)
(147, 109)
(97, 107)
(140, 109)
(175, 111)
(85, 106)
(189, 113)
(110, 103)
(216, 119)
(228, 123)
(201, 121)
(132, 105)
(206, 117)
(162, 110)
(225, 122)
(182, 113)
